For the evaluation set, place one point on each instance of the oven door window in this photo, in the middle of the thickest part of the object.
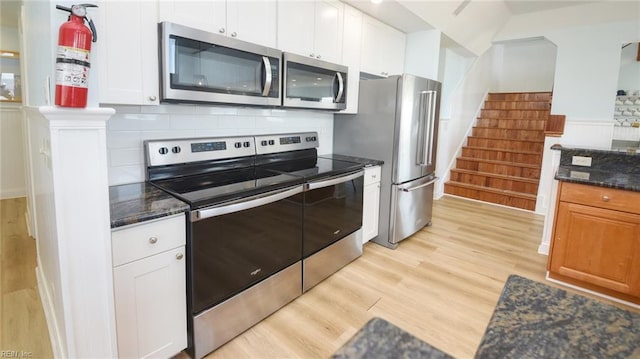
(234, 251)
(313, 84)
(331, 213)
(205, 67)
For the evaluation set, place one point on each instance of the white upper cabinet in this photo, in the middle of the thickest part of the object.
(311, 28)
(128, 52)
(252, 21)
(382, 48)
(351, 40)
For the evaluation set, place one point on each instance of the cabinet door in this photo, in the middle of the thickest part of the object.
(150, 300)
(382, 48)
(351, 43)
(296, 26)
(327, 43)
(252, 21)
(370, 214)
(370, 59)
(128, 52)
(597, 246)
(203, 15)
(393, 56)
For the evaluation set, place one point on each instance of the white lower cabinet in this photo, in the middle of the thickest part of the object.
(371, 203)
(150, 291)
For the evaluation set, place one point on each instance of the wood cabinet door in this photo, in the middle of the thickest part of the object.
(150, 301)
(597, 246)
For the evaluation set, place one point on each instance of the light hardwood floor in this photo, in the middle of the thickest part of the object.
(441, 285)
(22, 322)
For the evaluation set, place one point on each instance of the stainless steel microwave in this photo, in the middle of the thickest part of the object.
(311, 83)
(198, 66)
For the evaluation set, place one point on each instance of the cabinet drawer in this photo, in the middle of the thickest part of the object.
(602, 197)
(142, 240)
(371, 175)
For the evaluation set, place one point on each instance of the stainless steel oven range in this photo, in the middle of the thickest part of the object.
(268, 220)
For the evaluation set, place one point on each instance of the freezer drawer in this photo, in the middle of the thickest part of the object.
(411, 207)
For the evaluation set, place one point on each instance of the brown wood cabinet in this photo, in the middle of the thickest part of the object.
(596, 240)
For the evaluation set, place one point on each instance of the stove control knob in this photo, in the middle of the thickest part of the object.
(163, 150)
(247, 144)
(313, 138)
(272, 142)
(263, 143)
(176, 149)
(237, 145)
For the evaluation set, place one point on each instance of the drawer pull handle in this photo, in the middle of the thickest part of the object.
(605, 198)
(179, 256)
(153, 240)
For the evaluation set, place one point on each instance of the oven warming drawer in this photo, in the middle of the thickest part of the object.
(331, 259)
(216, 326)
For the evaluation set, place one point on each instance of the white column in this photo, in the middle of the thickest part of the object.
(68, 159)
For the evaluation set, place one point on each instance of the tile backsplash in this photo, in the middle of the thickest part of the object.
(131, 125)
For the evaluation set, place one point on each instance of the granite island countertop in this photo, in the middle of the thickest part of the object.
(139, 202)
(613, 169)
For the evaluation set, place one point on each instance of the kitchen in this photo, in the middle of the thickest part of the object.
(132, 121)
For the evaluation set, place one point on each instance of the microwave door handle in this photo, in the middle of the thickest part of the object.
(338, 97)
(267, 78)
(171, 59)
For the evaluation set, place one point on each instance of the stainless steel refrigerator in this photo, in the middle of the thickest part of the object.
(397, 122)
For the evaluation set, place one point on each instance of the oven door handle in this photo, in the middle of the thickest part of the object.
(245, 203)
(334, 180)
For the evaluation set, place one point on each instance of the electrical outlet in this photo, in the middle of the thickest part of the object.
(581, 161)
(579, 175)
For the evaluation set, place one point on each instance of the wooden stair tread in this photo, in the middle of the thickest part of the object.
(520, 93)
(502, 150)
(499, 128)
(507, 139)
(494, 190)
(511, 118)
(506, 163)
(496, 175)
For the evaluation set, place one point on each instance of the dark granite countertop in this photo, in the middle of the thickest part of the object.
(139, 202)
(534, 320)
(365, 161)
(608, 168)
(381, 339)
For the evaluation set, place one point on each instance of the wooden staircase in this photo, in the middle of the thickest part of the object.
(501, 161)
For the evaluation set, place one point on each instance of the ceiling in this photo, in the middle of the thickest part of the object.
(518, 7)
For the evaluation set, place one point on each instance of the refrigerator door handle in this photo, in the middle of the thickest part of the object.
(419, 186)
(422, 148)
(433, 97)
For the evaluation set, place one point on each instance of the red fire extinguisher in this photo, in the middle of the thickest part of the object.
(72, 61)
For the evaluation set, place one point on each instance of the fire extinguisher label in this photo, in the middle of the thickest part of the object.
(72, 67)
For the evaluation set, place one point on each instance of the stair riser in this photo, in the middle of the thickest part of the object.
(521, 114)
(513, 105)
(505, 144)
(502, 156)
(493, 182)
(540, 96)
(508, 134)
(491, 197)
(501, 169)
(520, 124)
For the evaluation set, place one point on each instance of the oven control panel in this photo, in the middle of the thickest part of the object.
(286, 142)
(186, 150)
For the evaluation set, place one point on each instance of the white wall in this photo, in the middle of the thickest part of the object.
(422, 53)
(12, 159)
(526, 66)
(629, 76)
(9, 39)
(466, 101)
(133, 124)
(453, 69)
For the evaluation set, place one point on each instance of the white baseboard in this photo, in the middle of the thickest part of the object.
(50, 315)
(543, 249)
(8, 193)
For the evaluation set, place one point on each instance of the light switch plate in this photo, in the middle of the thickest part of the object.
(579, 175)
(581, 161)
